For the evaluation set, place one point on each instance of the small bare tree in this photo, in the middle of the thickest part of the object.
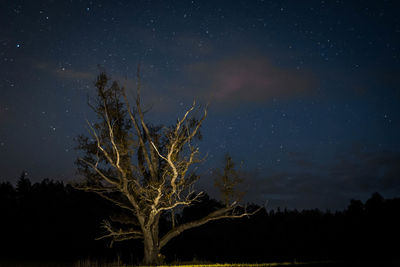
(143, 169)
(228, 182)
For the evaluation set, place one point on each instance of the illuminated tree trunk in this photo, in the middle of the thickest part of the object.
(152, 254)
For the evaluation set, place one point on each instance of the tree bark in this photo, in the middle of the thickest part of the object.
(152, 254)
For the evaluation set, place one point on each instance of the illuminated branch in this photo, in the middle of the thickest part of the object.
(119, 234)
(109, 180)
(93, 131)
(187, 202)
(111, 133)
(138, 132)
(216, 215)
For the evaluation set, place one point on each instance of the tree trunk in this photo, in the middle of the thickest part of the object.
(152, 254)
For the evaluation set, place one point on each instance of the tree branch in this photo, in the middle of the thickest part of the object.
(216, 215)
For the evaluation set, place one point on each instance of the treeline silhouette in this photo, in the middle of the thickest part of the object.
(53, 221)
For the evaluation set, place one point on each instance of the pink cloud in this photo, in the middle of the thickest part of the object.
(248, 79)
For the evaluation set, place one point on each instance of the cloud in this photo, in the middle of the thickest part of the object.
(368, 172)
(242, 79)
(71, 74)
(354, 174)
(67, 73)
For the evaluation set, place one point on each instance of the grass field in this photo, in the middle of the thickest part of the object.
(87, 263)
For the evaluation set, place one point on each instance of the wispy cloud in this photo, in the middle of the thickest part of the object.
(236, 80)
(354, 174)
(67, 73)
(71, 74)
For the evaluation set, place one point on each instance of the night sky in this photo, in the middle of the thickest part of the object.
(305, 93)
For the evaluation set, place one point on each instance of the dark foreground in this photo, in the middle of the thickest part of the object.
(56, 225)
(383, 263)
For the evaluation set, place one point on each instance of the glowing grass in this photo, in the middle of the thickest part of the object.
(94, 263)
(226, 265)
(89, 263)
(243, 264)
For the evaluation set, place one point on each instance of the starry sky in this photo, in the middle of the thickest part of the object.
(305, 93)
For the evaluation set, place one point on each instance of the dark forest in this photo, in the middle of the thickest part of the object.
(51, 220)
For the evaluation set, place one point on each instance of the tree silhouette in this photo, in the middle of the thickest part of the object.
(228, 181)
(143, 169)
(23, 184)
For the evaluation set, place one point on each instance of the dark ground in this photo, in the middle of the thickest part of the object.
(382, 263)
(49, 221)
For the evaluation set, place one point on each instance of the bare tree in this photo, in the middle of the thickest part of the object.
(143, 169)
(228, 182)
